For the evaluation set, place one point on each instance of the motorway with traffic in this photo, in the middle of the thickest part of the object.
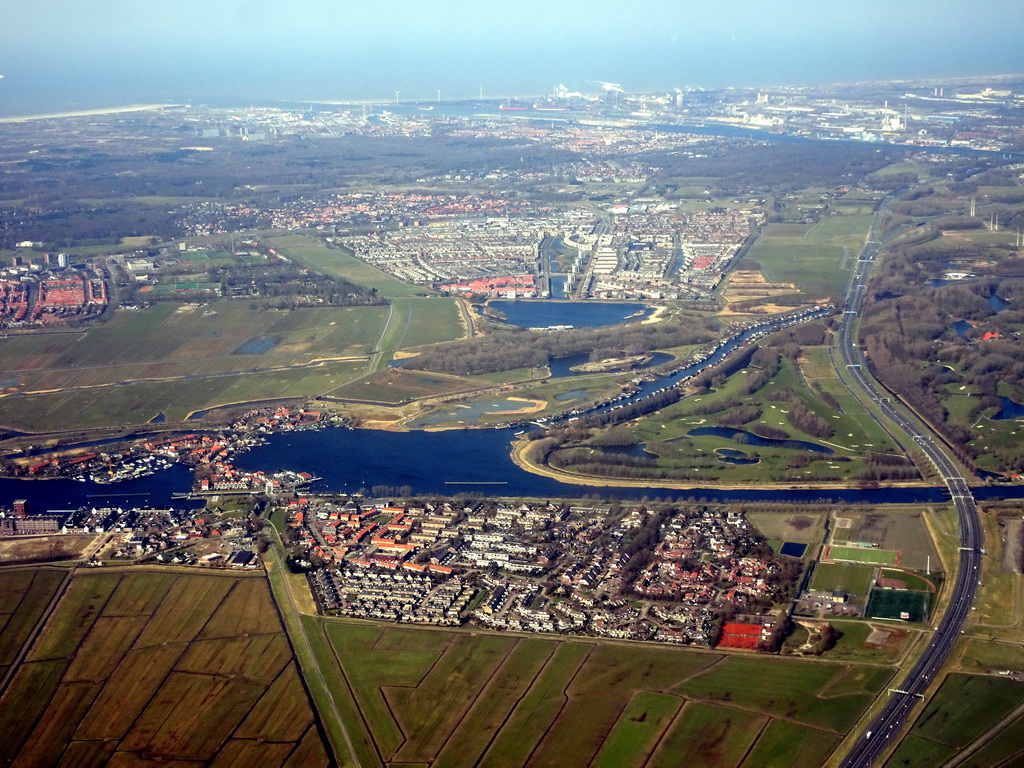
(889, 723)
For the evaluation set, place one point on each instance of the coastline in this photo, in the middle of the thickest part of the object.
(89, 112)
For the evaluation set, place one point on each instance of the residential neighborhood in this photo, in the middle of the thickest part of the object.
(684, 575)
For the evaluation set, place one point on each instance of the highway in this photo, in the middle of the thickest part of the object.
(908, 691)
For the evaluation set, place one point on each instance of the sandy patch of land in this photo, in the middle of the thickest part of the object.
(750, 285)
(530, 406)
(657, 315)
(88, 112)
(760, 309)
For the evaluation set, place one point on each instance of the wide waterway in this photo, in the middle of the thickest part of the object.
(429, 463)
(447, 462)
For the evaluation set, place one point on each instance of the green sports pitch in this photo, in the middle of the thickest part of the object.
(862, 555)
(897, 604)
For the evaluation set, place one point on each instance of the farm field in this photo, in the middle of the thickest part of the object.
(139, 402)
(441, 698)
(169, 339)
(421, 321)
(177, 359)
(334, 261)
(964, 708)
(396, 385)
(24, 595)
(804, 528)
(901, 531)
(162, 666)
(43, 548)
(808, 255)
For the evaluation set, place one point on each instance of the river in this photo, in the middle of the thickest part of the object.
(446, 462)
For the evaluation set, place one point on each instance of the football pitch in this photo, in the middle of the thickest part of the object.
(862, 555)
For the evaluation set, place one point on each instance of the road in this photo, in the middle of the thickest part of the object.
(887, 725)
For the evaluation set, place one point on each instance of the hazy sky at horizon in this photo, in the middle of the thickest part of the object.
(306, 49)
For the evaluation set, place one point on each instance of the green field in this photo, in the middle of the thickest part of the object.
(963, 709)
(811, 256)
(337, 263)
(893, 603)
(178, 359)
(422, 321)
(862, 555)
(1006, 745)
(842, 577)
(442, 698)
(397, 385)
(24, 595)
(803, 528)
(177, 667)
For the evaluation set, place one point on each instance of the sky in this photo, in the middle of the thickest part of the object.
(152, 50)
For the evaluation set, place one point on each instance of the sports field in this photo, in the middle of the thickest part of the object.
(439, 698)
(897, 604)
(862, 555)
(175, 669)
(842, 577)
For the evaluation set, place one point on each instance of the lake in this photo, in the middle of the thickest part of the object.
(451, 462)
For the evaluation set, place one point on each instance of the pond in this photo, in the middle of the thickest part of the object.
(749, 438)
(731, 456)
(257, 346)
(1010, 410)
(997, 303)
(961, 327)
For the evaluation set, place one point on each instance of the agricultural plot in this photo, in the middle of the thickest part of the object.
(804, 528)
(338, 263)
(427, 321)
(24, 595)
(38, 549)
(396, 385)
(789, 254)
(167, 666)
(1006, 748)
(437, 698)
(177, 399)
(964, 708)
(180, 358)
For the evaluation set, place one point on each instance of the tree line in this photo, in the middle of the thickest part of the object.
(508, 349)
